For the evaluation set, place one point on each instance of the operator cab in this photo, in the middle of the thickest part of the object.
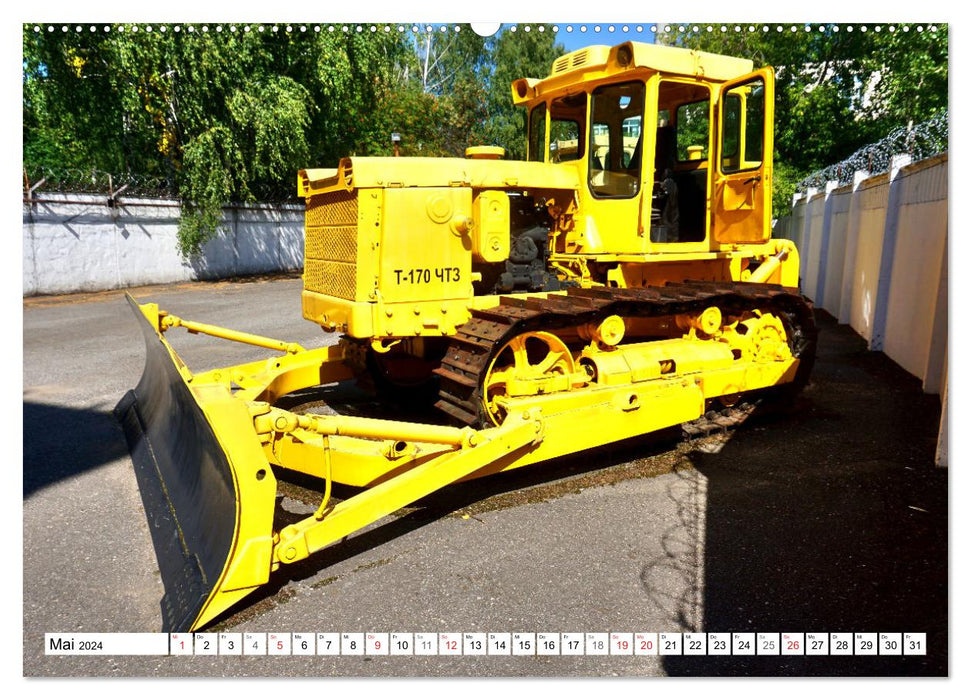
(640, 132)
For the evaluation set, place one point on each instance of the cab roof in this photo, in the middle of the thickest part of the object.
(597, 62)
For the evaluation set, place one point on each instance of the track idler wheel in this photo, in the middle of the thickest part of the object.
(530, 364)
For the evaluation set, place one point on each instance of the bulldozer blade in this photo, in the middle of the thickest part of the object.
(188, 485)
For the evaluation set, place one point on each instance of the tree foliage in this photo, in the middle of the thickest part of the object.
(230, 114)
(516, 55)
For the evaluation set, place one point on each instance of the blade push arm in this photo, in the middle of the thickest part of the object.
(476, 450)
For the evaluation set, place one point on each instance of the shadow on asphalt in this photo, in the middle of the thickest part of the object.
(61, 442)
(830, 519)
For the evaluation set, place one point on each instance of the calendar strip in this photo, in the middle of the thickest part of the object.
(490, 644)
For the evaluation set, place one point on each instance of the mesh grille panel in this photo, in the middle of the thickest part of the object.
(330, 244)
(332, 209)
(332, 278)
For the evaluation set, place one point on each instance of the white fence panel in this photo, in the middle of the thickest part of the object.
(815, 217)
(836, 253)
(869, 249)
(916, 325)
(795, 230)
(852, 245)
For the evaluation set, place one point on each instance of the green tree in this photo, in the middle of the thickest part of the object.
(228, 115)
(515, 55)
(912, 67)
(437, 100)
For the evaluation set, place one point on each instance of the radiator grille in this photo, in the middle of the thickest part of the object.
(332, 208)
(330, 244)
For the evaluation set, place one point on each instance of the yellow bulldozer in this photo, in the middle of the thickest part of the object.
(620, 280)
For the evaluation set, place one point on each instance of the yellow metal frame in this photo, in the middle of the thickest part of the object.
(381, 319)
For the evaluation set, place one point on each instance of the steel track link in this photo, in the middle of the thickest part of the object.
(477, 342)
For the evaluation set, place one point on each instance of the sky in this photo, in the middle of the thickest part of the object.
(578, 36)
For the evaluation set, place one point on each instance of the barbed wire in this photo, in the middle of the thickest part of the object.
(919, 141)
(77, 181)
(39, 179)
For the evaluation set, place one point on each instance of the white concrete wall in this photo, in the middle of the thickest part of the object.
(851, 247)
(75, 243)
(869, 249)
(919, 274)
(875, 256)
(796, 221)
(812, 241)
(836, 252)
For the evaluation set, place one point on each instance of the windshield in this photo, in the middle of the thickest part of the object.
(615, 139)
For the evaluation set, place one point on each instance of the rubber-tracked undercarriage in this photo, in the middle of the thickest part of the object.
(545, 306)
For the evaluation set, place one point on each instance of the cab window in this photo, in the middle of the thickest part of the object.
(743, 132)
(615, 144)
(568, 116)
(692, 124)
(537, 132)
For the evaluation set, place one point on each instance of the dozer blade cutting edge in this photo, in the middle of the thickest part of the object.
(190, 483)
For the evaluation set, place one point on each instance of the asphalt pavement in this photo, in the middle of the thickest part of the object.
(829, 517)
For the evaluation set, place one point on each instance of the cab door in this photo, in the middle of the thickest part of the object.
(741, 205)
